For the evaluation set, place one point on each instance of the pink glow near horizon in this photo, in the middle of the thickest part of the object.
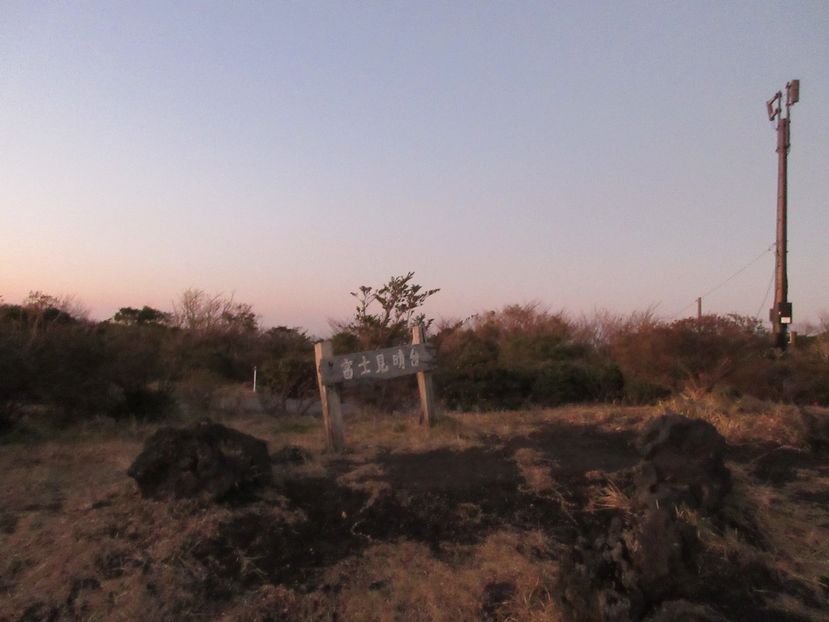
(588, 157)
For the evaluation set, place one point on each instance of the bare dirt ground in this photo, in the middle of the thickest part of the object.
(471, 521)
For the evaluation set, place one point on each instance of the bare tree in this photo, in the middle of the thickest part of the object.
(199, 311)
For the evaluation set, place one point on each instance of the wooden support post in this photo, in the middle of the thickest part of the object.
(424, 383)
(332, 415)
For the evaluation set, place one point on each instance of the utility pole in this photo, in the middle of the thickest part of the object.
(699, 308)
(781, 313)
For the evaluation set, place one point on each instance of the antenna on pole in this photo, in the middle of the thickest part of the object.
(781, 313)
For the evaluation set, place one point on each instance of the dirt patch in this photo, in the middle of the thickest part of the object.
(460, 496)
(443, 470)
(255, 548)
(581, 448)
(441, 497)
(780, 465)
(290, 454)
(496, 595)
(812, 496)
(738, 590)
(445, 495)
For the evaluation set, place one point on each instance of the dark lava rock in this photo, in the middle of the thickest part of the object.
(682, 464)
(204, 460)
(665, 555)
(651, 555)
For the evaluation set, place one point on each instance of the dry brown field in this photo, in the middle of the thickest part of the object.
(468, 521)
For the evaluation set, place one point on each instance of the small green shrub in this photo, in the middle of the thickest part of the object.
(561, 383)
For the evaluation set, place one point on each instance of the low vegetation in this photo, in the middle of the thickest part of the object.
(147, 363)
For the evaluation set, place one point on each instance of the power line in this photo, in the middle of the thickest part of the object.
(766, 297)
(720, 284)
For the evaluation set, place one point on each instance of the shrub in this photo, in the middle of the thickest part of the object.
(145, 403)
(642, 391)
(290, 377)
(384, 315)
(484, 389)
(15, 376)
(521, 355)
(197, 389)
(690, 354)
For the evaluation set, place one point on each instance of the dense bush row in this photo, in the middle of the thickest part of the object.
(523, 355)
(141, 362)
(144, 362)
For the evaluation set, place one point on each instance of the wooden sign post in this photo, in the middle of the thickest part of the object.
(424, 383)
(416, 358)
(332, 415)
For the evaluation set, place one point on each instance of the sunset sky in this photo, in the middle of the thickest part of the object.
(583, 154)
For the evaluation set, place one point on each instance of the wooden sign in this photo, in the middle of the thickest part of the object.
(378, 364)
(415, 358)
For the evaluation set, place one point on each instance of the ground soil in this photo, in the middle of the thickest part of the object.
(466, 522)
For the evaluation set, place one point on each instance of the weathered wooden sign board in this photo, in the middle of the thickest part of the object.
(378, 364)
(415, 358)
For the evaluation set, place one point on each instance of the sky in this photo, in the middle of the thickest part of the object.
(585, 155)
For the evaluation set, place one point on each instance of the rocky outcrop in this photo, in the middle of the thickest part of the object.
(649, 555)
(206, 460)
(682, 464)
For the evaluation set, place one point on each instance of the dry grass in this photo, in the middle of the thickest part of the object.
(404, 581)
(612, 497)
(77, 532)
(747, 420)
(536, 470)
(367, 478)
(795, 534)
(73, 529)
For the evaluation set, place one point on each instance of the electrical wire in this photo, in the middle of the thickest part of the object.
(766, 297)
(719, 285)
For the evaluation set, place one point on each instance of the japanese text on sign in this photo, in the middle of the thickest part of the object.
(378, 364)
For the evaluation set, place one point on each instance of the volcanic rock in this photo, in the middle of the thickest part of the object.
(650, 555)
(682, 465)
(664, 554)
(204, 460)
